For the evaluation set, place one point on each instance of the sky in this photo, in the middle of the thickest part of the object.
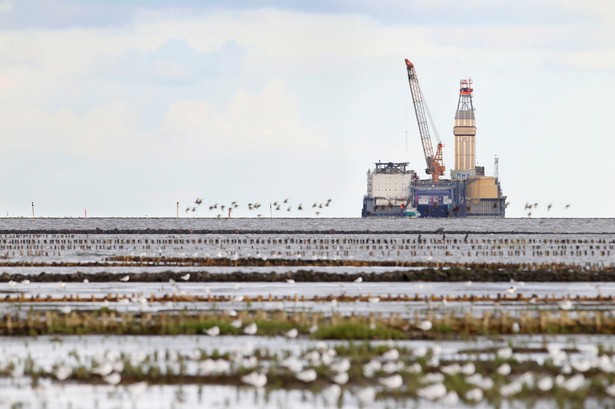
(125, 108)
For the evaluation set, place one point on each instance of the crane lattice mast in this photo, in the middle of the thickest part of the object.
(435, 167)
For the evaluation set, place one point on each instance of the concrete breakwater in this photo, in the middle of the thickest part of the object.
(579, 249)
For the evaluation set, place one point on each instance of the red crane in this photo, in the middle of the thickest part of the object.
(435, 167)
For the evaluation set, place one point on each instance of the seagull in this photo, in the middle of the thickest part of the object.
(567, 206)
(474, 395)
(549, 206)
(113, 378)
(504, 369)
(250, 329)
(391, 355)
(511, 289)
(213, 331)
(236, 323)
(185, 277)
(425, 325)
(63, 372)
(255, 379)
(391, 382)
(198, 201)
(125, 278)
(309, 375)
(545, 384)
(358, 280)
(292, 333)
(300, 207)
(565, 305)
(366, 395)
(290, 281)
(340, 378)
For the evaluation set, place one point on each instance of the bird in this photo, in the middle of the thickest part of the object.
(567, 206)
(113, 378)
(185, 277)
(292, 333)
(425, 325)
(340, 366)
(290, 281)
(391, 382)
(450, 399)
(198, 200)
(250, 329)
(504, 369)
(391, 355)
(255, 379)
(549, 206)
(125, 278)
(545, 384)
(300, 207)
(366, 395)
(236, 323)
(565, 305)
(358, 280)
(432, 392)
(307, 376)
(340, 378)
(474, 395)
(62, 372)
(213, 331)
(511, 290)
(285, 200)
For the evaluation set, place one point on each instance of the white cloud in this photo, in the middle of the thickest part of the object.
(267, 122)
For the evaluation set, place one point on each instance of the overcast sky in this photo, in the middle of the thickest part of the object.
(126, 107)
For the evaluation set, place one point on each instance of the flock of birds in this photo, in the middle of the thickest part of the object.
(423, 372)
(277, 206)
(532, 207)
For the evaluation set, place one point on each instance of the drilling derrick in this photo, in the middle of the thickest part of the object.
(465, 129)
(435, 167)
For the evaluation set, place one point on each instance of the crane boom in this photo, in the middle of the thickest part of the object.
(435, 167)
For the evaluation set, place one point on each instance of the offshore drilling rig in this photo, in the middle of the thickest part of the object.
(394, 190)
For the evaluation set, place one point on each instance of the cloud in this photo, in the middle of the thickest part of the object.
(175, 62)
(267, 122)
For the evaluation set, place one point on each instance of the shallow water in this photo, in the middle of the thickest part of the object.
(546, 225)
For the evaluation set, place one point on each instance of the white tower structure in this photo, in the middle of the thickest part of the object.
(465, 131)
